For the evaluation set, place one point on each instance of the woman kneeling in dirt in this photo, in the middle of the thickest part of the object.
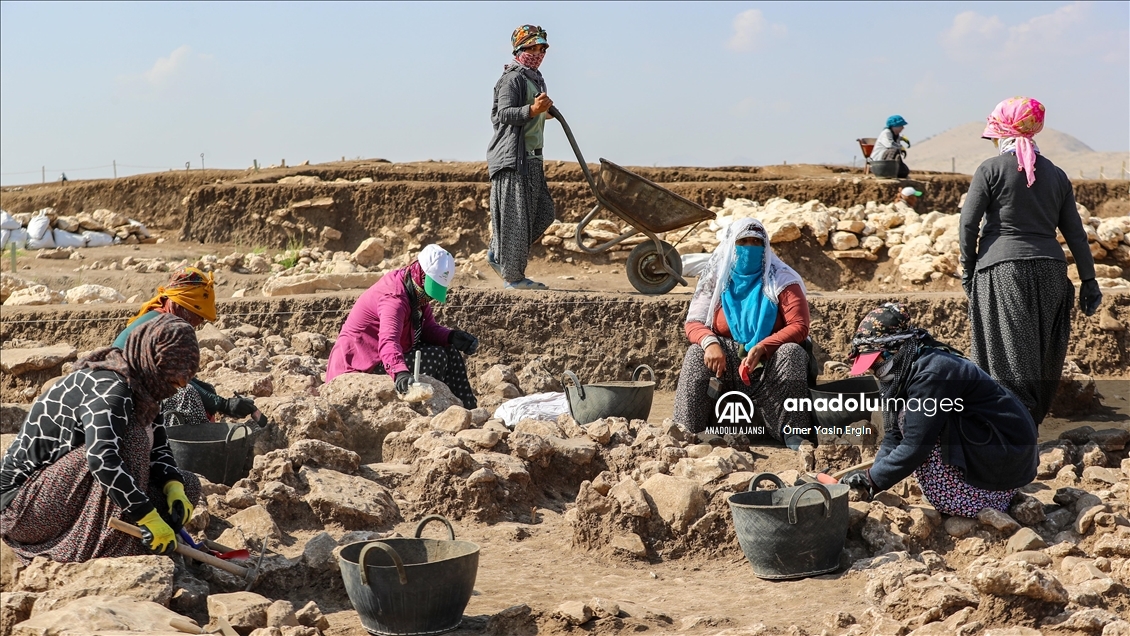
(970, 443)
(393, 320)
(93, 448)
(190, 296)
(747, 320)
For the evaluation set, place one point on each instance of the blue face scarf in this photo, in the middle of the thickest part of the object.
(749, 313)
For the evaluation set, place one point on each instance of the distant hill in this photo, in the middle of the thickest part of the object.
(964, 145)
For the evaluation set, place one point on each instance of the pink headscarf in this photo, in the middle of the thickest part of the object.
(1018, 118)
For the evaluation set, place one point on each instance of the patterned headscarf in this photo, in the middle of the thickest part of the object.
(888, 328)
(1018, 118)
(527, 35)
(155, 355)
(190, 289)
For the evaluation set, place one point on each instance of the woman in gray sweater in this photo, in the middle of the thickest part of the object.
(1015, 272)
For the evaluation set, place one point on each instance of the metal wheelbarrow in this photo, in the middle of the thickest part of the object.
(653, 267)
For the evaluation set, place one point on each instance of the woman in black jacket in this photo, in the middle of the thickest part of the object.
(970, 443)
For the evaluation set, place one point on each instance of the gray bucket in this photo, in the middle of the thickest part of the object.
(885, 169)
(630, 400)
(410, 586)
(859, 389)
(216, 451)
(794, 532)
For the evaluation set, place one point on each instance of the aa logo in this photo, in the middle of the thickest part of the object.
(733, 408)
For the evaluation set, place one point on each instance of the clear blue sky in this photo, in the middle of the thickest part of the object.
(155, 85)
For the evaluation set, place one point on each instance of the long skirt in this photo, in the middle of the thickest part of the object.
(445, 364)
(61, 511)
(1020, 314)
(945, 488)
(521, 209)
(785, 377)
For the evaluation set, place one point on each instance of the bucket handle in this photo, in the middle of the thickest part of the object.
(392, 555)
(800, 492)
(569, 375)
(636, 373)
(227, 441)
(430, 518)
(770, 476)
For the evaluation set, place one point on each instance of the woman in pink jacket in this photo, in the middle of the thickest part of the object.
(393, 320)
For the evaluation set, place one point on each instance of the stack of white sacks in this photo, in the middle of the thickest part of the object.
(45, 229)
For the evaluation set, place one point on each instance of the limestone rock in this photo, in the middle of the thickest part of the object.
(529, 447)
(92, 295)
(598, 431)
(10, 283)
(245, 611)
(678, 501)
(370, 252)
(99, 614)
(631, 543)
(579, 451)
(309, 344)
(34, 294)
(313, 283)
(479, 438)
(452, 420)
(249, 526)
(997, 578)
(352, 502)
(575, 612)
(999, 520)
(15, 607)
(845, 240)
(631, 499)
(311, 616)
(1025, 539)
(17, 361)
(209, 337)
(281, 614)
(143, 578)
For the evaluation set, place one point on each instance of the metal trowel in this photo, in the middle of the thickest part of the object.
(418, 391)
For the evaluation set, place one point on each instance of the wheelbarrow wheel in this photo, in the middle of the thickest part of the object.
(645, 269)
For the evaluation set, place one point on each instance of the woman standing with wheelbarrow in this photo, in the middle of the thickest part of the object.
(521, 207)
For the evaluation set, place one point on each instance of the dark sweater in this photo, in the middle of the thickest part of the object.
(992, 440)
(509, 115)
(1020, 222)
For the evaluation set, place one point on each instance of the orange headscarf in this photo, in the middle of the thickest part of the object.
(189, 288)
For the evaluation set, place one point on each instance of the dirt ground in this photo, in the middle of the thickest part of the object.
(533, 560)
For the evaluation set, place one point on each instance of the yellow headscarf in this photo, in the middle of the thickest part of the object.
(190, 288)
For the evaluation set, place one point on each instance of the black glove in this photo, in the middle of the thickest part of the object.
(403, 379)
(240, 406)
(1090, 297)
(464, 342)
(861, 480)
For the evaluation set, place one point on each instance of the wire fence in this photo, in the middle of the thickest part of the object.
(111, 168)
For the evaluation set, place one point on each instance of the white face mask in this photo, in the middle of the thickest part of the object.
(883, 373)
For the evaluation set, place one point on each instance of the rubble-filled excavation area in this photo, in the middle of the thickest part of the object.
(612, 527)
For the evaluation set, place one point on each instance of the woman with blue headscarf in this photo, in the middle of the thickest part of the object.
(747, 320)
(888, 145)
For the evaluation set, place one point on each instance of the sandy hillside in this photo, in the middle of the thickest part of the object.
(964, 144)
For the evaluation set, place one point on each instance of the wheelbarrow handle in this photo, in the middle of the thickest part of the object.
(184, 550)
(576, 149)
(392, 553)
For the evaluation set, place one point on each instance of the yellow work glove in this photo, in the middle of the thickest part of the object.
(180, 508)
(156, 534)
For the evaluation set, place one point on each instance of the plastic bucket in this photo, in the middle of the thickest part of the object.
(216, 451)
(887, 169)
(630, 400)
(410, 586)
(794, 532)
(860, 390)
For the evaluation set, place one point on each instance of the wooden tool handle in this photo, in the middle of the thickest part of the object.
(182, 549)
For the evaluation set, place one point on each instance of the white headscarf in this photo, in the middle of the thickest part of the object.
(776, 275)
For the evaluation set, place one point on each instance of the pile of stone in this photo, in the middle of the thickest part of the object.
(16, 291)
(86, 229)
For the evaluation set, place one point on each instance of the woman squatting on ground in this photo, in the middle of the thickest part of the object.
(1015, 272)
(393, 320)
(969, 442)
(190, 296)
(749, 310)
(93, 448)
(521, 208)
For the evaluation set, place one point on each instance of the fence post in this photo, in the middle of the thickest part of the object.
(953, 164)
(201, 161)
(13, 257)
(43, 173)
(115, 168)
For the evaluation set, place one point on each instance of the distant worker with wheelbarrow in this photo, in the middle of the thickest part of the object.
(888, 145)
(521, 208)
(93, 448)
(747, 321)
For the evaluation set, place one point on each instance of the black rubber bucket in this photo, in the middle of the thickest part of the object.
(630, 400)
(216, 451)
(852, 391)
(410, 586)
(794, 532)
(885, 169)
